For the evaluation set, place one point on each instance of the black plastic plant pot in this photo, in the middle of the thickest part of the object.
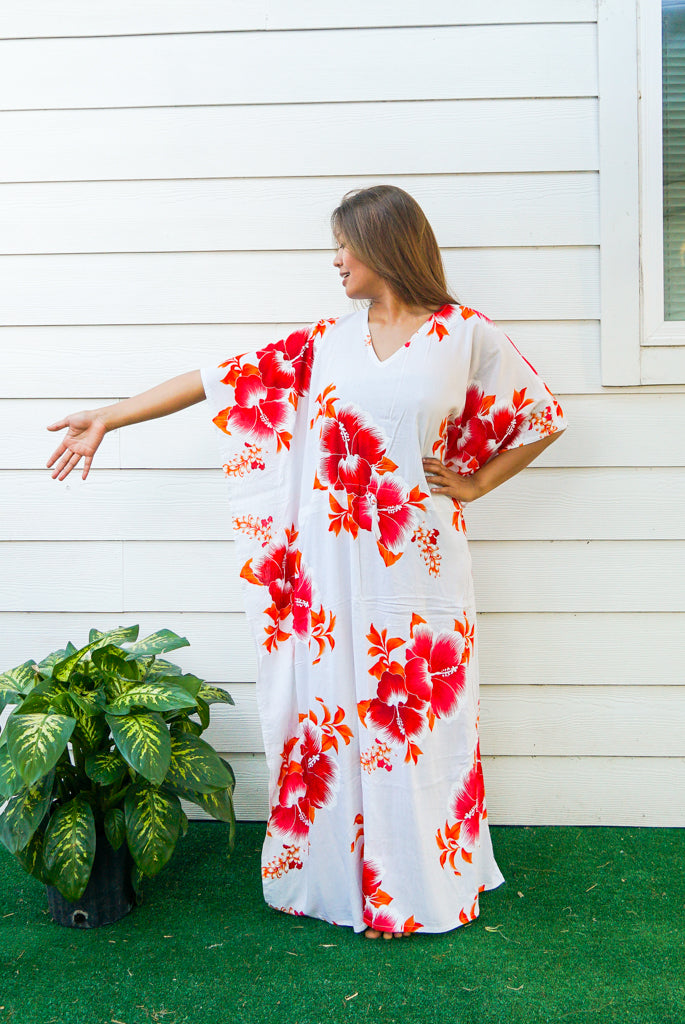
(107, 898)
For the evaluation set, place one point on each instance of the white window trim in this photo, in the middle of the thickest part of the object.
(619, 192)
(655, 329)
(638, 345)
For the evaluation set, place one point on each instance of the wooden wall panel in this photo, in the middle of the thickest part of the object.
(36, 18)
(523, 283)
(534, 790)
(516, 648)
(511, 576)
(76, 363)
(206, 214)
(347, 65)
(258, 141)
(538, 504)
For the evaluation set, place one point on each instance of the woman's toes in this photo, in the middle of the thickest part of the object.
(371, 933)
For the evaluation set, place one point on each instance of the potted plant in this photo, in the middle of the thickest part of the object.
(98, 750)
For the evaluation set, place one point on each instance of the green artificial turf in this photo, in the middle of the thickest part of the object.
(589, 927)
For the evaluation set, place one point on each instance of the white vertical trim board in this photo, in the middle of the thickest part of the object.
(618, 191)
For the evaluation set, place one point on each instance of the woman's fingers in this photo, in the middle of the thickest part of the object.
(58, 425)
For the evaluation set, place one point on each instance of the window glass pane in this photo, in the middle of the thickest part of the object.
(673, 48)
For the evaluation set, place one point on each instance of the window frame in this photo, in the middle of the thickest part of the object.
(639, 346)
(656, 330)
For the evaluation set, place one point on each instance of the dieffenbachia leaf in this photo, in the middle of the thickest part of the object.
(153, 825)
(144, 742)
(69, 847)
(36, 742)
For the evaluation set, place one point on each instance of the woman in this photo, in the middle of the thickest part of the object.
(351, 447)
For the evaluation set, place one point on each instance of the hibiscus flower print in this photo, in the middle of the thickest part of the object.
(310, 775)
(289, 582)
(377, 911)
(428, 686)
(265, 396)
(355, 466)
(436, 669)
(467, 810)
(484, 427)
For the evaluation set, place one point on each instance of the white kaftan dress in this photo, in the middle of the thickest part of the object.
(358, 588)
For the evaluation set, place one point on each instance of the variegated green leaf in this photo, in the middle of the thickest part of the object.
(89, 702)
(144, 742)
(36, 742)
(181, 725)
(15, 683)
(157, 643)
(160, 667)
(115, 827)
(10, 779)
(195, 765)
(184, 823)
(42, 697)
(46, 666)
(111, 661)
(69, 847)
(153, 824)
(31, 857)
(24, 813)
(90, 732)
(62, 670)
(160, 695)
(120, 635)
(214, 695)
(107, 768)
(202, 712)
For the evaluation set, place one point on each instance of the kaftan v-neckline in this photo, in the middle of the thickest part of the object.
(369, 341)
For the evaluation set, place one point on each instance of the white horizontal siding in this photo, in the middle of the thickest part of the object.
(607, 431)
(535, 790)
(350, 65)
(524, 283)
(539, 504)
(511, 576)
(459, 136)
(36, 18)
(196, 215)
(516, 648)
(544, 721)
(131, 358)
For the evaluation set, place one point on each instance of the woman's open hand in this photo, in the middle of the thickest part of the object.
(86, 431)
(442, 480)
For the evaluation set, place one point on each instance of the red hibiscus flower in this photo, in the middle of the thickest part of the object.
(484, 428)
(381, 920)
(397, 713)
(350, 447)
(277, 569)
(287, 364)
(301, 595)
(468, 804)
(291, 815)
(259, 411)
(434, 669)
(319, 771)
(310, 781)
(386, 508)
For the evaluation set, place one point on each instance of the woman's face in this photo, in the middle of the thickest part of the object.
(358, 280)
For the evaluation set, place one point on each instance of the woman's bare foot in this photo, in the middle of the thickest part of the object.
(371, 933)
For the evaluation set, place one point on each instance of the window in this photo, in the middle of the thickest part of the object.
(673, 131)
(662, 190)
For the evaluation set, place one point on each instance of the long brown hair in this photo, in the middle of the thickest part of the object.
(385, 228)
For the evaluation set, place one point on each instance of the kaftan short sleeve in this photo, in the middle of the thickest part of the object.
(507, 403)
(254, 398)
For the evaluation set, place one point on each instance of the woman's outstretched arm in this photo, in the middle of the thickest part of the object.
(86, 429)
